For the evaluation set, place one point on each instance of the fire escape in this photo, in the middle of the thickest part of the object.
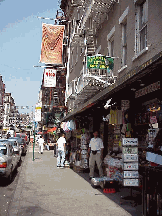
(84, 35)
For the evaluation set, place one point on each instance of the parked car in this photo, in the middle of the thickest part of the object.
(22, 135)
(17, 149)
(22, 144)
(8, 160)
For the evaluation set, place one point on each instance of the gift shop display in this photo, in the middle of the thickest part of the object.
(84, 151)
(130, 162)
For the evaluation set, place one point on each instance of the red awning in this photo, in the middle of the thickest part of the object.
(39, 132)
(52, 129)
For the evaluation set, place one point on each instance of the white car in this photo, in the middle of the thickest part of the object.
(8, 160)
(17, 149)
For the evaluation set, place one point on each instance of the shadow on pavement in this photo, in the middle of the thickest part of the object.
(5, 182)
(133, 208)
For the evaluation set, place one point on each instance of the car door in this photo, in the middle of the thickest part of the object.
(16, 152)
(9, 159)
(13, 158)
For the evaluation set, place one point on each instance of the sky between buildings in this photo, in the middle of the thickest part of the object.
(20, 47)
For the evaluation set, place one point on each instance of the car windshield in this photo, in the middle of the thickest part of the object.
(19, 140)
(3, 150)
(3, 141)
(13, 142)
(17, 135)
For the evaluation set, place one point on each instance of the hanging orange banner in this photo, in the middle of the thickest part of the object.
(52, 44)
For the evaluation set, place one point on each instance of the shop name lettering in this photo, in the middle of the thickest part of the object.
(50, 74)
(100, 62)
(148, 89)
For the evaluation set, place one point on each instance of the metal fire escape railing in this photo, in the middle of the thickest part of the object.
(85, 36)
(98, 9)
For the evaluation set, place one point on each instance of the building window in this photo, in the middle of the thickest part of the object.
(90, 23)
(72, 59)
(141, 26)
(112, 47)
(124, 44)
(110, 39)
(123, 23)
(76, 53)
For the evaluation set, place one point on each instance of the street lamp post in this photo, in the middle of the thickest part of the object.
(33, 133)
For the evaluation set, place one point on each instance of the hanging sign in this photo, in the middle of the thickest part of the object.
(131, 174)
(130, 150)
(49, 78)
(52, 44)
(131, 182)
(130, 162)
(130, 141)
(130, 157)
(100, 62)
(38, 114)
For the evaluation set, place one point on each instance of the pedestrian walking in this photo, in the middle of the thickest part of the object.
(61, 151)
(96, 154)
(68, 149)
(40, 143)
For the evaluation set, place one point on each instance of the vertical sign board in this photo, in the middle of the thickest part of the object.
(130, 159)
(49, 78)
(38, 114)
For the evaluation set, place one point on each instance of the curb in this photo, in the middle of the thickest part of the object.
(15, 202)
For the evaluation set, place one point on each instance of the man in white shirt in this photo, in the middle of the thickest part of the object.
(96, 154)
(61, 151)
(41, 142)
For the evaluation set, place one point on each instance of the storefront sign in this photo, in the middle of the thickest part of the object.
(131, 174)
(131, 182)
(49, 78)
(100, 62)
(130, 141)
(148, 89)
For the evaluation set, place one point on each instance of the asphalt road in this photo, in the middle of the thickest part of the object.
(7, 190)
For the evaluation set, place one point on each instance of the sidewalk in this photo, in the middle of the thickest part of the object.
(44, 190)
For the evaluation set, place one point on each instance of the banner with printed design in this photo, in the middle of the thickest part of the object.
(52, 44)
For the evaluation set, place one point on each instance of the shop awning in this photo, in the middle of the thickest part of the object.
(51, 129)
(120, 83)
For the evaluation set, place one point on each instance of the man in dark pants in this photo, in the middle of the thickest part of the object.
(96, 154)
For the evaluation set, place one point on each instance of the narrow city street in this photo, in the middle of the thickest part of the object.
(80, 79)
(43, 189)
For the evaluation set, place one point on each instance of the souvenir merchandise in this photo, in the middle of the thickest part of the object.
(130, 169)
(84, 151)
(101, 181)
(113, 168)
